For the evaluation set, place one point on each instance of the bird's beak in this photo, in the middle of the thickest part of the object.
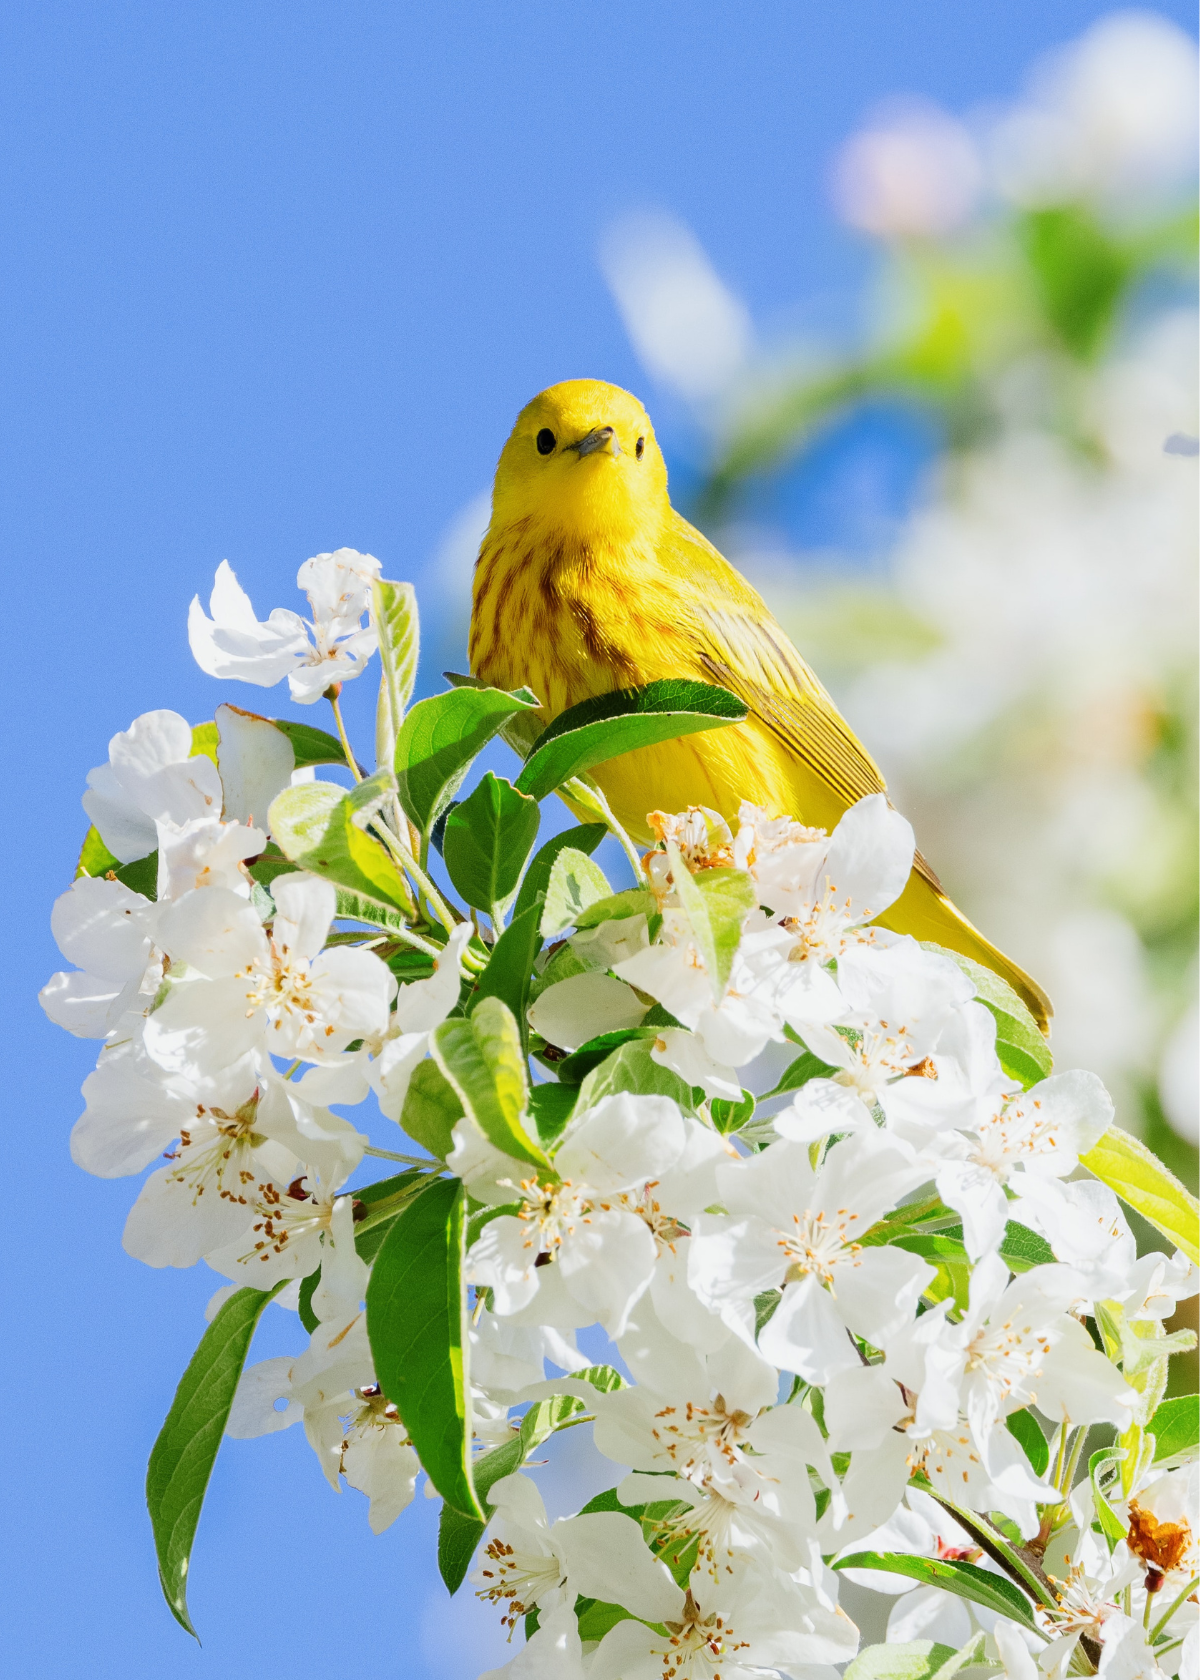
(600, 437)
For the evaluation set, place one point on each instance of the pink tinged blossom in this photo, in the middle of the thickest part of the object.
(913, 172)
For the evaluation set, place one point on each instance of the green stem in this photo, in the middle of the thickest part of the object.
(424, 885)
(407, 937)
(351, 761)
(497, 920)
(377, 1212)
(1068, 1481)
(405, 1160)
(1162, 1621)
(1060, 1456)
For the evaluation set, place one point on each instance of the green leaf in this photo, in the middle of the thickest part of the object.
(416, 1321)
(1020, 1566)
(1079, 273)
(431, 1109)
(634, 901)
(632, 1068)
(308, 1288)
(967, 1656)
(522, 728)
(563, 965)
(716, 903)
(1139, 1178)
(1111, 1526)
(1021, 1048)
(437, 742)
(585, 838)
(1023, 1248)
(799, 1073)
(314, 827)
(1176, 1426)
(1028, 1432)
(182, 1458)
(597, 730)
(510, 966)
(458, 1534)
(596, 1618)
(574, 1069)
(204, 741)
(964, 1580)
(919, 1660)
(487, 839)
(394, 615)
(311, 746)
(575, 884)
(384, 1202)
(356, 907)
(141, 876)
(729, 1116)
(94, 857)
(550, 1107)
(604, 1377)
(481, 1056)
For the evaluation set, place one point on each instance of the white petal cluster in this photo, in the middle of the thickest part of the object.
(839, 1313)
(313, 654)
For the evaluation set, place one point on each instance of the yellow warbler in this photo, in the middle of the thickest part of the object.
(589, 580)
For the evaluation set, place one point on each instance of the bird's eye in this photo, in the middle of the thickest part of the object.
(641, 448)
(546, 441)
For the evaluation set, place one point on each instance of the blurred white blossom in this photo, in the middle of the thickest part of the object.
(689, 329)
(911, 171)
(1112, 113)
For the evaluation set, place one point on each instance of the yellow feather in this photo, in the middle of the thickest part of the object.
(589, 580)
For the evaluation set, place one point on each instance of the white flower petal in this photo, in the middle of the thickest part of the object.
(623, 1141)
(606, 1558)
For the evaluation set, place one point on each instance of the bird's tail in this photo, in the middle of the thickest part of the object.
(925, 912)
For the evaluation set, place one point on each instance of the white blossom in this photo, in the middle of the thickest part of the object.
(799, 1230)
(243, 989)
(421, 1006)
(331, 648)
(151, 776)
(529, 1562)
(758, 1620)
(1040, 1132)
(583, 1235)
(107, 929)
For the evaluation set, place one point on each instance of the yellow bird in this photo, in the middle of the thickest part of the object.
(589, 580)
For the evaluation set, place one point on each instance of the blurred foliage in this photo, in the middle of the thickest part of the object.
(1050, 282)
(1046, 294)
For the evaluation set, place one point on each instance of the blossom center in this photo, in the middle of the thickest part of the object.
(551, 1213)
(818, 1244)
(697, 1642)
(518, 1579)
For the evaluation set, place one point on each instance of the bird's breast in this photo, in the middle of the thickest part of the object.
(569, 618)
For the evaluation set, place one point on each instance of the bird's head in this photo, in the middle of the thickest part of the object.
(583, 459)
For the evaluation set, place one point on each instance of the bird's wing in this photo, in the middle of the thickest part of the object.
(744, 650)
(805, 720)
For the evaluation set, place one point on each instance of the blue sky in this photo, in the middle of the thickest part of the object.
(277, 278)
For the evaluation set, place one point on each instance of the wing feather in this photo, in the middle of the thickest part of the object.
(741, 647)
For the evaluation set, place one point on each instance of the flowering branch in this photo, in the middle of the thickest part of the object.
(872, 1327)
